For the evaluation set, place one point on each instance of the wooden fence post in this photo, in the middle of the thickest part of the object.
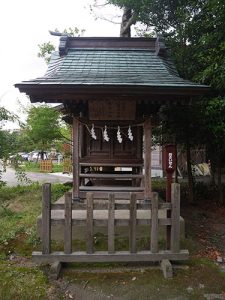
(89, 241)
(46, 218)
(175, 218)
(68, 224)
(133, 223)
(154, 223)
(111, 224)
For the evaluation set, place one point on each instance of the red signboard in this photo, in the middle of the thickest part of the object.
(169, 158)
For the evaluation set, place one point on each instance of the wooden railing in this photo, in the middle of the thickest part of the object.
(133, 216)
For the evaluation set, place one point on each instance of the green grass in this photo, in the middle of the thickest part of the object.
(22, 282)
(35, 167)
(19, 209)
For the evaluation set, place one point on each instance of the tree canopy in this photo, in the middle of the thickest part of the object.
(43, 126)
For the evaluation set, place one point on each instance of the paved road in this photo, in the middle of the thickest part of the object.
(11, 180)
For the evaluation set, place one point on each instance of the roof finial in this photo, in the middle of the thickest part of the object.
(57, 33)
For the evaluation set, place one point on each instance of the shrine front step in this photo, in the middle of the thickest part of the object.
(101, 222)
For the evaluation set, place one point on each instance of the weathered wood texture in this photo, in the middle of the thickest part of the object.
(46, 218)
(104, 175)
(89, 241)
(104, 256)
(175, 218)
(129, 216)
(133, 223)
(76, 172)
(118, 195)
(111, 224)
(112, 110)
(68, 224)
(147, 157)
(154, 224)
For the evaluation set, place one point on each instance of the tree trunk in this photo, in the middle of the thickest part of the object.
(125, 30)
(189, 171)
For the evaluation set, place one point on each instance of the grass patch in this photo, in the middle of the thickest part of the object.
(35, 167)
(19, 209)
(22, 282)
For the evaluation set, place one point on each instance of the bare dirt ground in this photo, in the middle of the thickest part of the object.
(205, 224)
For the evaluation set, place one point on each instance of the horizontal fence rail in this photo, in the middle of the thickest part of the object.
(90, 214)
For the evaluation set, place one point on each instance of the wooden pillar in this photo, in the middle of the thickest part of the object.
(147, 157)
(133, 223)
(46, 218)
(68, 224)
(76, 181)
(111, 224)
(90, 229)
(154, 223)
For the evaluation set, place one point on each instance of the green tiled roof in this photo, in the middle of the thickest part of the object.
(136, 67)
(93, 67)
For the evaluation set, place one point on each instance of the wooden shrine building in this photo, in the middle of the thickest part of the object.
(111, 89)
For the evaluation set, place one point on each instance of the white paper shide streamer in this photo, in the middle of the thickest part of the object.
(105, 134)
(93, 134)
(119, 137)
(130, 135)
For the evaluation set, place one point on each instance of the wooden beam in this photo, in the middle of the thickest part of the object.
(147, 157)
(103, 175)
(80, 220)
(118, 195)
(102, 205)
(104, 256)
(111, 188)
(76, 181)
(46, 218)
